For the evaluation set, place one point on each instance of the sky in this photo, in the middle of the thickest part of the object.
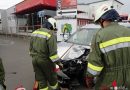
(4, 4)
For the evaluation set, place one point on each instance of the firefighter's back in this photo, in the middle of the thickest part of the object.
(115, 46)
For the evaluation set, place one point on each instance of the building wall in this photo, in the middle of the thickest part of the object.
(85, 10)
(4, 21)
(0, 21)
(116, 5)
(11, 20)
(89, 9)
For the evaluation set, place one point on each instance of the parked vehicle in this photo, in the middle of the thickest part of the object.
(126, 24)
(73, 53)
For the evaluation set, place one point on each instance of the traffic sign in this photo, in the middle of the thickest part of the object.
(41, 13)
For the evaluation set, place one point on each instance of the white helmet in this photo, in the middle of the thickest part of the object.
(100, 11)
(52, 21)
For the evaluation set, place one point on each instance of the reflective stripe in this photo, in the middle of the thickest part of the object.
(55, 86)
(114, 47)
(114, 41)
(45, 88)
(41, 34)
(93, 72)
(54, 58)
(95, 68)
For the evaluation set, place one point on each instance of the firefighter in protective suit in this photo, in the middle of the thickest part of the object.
(43, 49)
(109, 58)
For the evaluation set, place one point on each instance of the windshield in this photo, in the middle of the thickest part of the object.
(83, 37)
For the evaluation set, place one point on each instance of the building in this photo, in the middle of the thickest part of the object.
(0, 20)
(3, 21)
(11, 25)
(88, 9)
(28, 15)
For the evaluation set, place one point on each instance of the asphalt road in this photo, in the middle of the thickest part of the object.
(17, 62)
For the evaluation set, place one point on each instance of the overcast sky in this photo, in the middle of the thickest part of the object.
(4, 4)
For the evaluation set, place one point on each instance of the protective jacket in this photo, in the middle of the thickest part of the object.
(44, 44)
(109, 57)
(43, 49)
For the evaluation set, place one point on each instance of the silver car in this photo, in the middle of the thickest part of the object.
(73, 53)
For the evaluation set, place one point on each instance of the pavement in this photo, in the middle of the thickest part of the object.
(14, 52)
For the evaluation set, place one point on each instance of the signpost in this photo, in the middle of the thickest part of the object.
(66, 18)
(41, 15)
(66, 7)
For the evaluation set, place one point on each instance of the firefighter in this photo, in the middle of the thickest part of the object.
(43, 49)
(2, 76)
(109, 58)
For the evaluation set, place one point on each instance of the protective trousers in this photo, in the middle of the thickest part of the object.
(44, 73)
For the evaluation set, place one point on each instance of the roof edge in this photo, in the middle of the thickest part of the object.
(99, 1)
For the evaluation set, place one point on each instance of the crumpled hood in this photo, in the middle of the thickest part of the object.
(63, 47)
(68, 51)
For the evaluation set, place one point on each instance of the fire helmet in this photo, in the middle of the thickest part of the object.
(52, 21)
(105, 12)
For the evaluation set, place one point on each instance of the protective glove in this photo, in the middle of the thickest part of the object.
(90, 82)
(59, 63)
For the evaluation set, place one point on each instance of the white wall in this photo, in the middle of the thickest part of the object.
(11, 20)
(4, 21)
(113, 3)
(90, 8)
(84, 8)
(0, 22)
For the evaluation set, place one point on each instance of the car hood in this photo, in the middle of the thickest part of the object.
(68, 51)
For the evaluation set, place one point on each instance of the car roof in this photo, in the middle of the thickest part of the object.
(98, 26)
(125, 24)
(91, 26)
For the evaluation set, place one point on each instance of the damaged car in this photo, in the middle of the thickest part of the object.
(73, 53)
